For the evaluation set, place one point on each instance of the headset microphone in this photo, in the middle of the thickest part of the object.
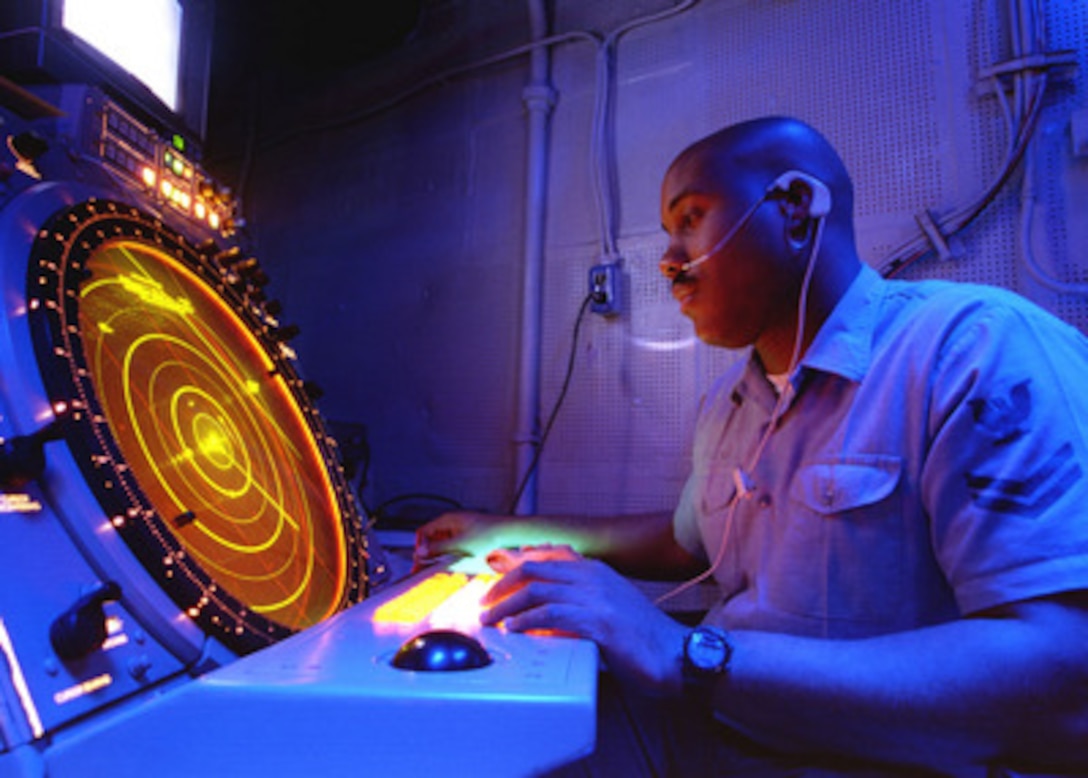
(818, 208)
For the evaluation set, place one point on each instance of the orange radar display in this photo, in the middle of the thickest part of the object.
(192, 426)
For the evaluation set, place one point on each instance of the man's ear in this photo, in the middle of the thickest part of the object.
(796, 204)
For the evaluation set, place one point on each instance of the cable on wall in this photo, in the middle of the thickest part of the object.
(531, 469)
(1033, 41)
(602, 162)
(603, 154)
(1019, 85)
(604, 185)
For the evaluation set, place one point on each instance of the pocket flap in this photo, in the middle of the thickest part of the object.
(850, 482)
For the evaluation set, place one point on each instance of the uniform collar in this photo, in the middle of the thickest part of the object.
(843, 344)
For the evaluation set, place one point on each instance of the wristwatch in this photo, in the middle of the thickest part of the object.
(706, 656)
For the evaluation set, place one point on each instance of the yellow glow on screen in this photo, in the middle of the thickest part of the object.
(417, 603)
(444, 599)
(213, 434)
(461, 610)
(150, 292)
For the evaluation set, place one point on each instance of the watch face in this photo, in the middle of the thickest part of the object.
(707, 650)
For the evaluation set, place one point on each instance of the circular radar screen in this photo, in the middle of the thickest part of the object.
(192, 427)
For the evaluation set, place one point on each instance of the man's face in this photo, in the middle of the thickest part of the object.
(745, 291)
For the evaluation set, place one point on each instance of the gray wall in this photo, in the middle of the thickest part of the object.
(388, 204)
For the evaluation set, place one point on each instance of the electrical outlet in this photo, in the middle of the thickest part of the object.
(604, 289)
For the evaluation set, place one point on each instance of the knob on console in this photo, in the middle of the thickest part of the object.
(81, 630)
(26, 147)
(22, 458)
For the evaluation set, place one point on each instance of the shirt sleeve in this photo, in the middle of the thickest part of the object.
(685, 525)
(714, 411)
(1006, 477)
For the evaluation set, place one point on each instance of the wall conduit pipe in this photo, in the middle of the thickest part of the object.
(539, 97)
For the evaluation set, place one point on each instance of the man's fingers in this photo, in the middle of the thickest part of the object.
(547, 617)
(527, 572)
(523, 595)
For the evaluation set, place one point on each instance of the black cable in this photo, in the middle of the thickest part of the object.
(379, 515)
(555, 408)
(379, 511)
(961, 221)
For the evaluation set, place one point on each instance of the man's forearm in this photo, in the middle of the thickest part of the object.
(639, 545)
(1011, 688)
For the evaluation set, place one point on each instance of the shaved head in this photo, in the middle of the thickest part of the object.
(749, 155)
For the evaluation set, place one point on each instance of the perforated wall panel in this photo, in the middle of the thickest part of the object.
(403, 236)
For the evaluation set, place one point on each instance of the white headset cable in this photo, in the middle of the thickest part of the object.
(739, 476)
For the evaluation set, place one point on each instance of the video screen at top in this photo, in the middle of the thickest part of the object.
(142, 36)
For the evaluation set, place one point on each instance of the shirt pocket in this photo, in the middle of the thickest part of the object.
(846, 484)
(839, 554)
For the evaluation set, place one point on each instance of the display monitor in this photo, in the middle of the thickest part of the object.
(154, 56)
(142, 36)
(191, 427)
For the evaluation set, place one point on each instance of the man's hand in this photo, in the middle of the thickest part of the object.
(459, 532)
(503, 560)
(588, 599)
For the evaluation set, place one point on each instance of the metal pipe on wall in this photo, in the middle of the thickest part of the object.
(539, 97)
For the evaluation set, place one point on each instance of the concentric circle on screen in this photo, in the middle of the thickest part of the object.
(190, 424)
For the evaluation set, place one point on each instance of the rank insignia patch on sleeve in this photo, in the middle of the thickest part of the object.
(1034, 493)
(1004, 417)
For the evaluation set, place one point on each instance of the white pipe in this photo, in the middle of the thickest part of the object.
(539, 97)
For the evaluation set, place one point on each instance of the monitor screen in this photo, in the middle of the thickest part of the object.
(142, 36)
(153, 56)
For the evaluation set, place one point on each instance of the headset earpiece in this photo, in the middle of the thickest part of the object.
(821, 195)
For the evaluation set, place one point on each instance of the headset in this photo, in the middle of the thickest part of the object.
(821, 195)
(819, 208)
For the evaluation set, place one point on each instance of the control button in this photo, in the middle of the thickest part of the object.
(81, 630)
(22, 458)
